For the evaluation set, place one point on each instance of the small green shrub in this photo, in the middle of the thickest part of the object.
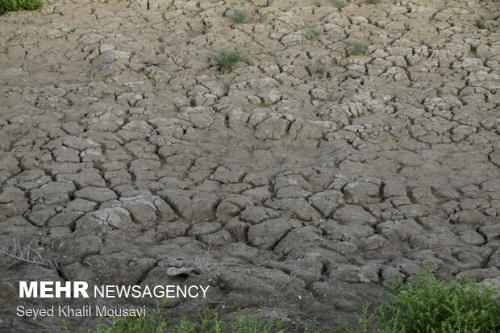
(480, 22)
(355, 47)
(427, 304)
(313, 34)
(227, 60)
(14, 5)
(317, 69)
(132, 325)
(339, 3)
(239, 15)
(210, 322)
(372, 2)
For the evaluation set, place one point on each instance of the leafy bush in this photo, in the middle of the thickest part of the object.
(427, 304)
(13, 5)
(313, 34)
(239, 15)
(227, 60)
(317, 68)
(339, 3)
(355, 47)
(480, 22)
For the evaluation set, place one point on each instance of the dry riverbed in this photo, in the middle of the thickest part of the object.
(348, 146)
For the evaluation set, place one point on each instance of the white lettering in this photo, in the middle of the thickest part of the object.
(191, 295)
(204, 291)
(28, 292)
(80, 289)
(59, 288)
(46, 289)
(99, 291)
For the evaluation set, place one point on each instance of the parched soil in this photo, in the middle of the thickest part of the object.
(295, 186)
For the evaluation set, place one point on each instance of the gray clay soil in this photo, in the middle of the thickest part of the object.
(294, 186)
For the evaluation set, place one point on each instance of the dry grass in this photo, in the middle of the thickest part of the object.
(19, 252)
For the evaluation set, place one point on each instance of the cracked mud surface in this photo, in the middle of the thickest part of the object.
(124, 152)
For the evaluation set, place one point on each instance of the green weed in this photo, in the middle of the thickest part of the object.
(313, 34)
(227, 60)
(14, 5)
(317, 69)
(427, 304)
(480, 22)
(355, 47)
(238, 15)
(339, 3)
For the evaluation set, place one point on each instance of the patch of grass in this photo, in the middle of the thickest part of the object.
(372, 2)
(142, 324)
(210, 322)
(132, 325)
(14, 5)
(238, 15)
(428, 304)
(313, 33)
(425, 304)
(339, 3)
(355, 47)
(480, 22)
(317, 69)
(227, 60)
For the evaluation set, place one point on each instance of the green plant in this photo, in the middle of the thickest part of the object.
(424, 304)
(139, 324)
(142, 324)
(339, 3)
(428, 304)
(372, 2)
(317, 68)
(239, 15)
(313, 34)
(210, 322)
(13, 5)
(480, 22)
(227, 60)
(355, 47)
(242, 324)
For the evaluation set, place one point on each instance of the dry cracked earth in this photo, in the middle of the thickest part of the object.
(295, 186)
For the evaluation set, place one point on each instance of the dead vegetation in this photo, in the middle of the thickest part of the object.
(20, 252)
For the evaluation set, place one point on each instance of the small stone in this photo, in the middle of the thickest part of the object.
(176, 271)
(96, 194)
